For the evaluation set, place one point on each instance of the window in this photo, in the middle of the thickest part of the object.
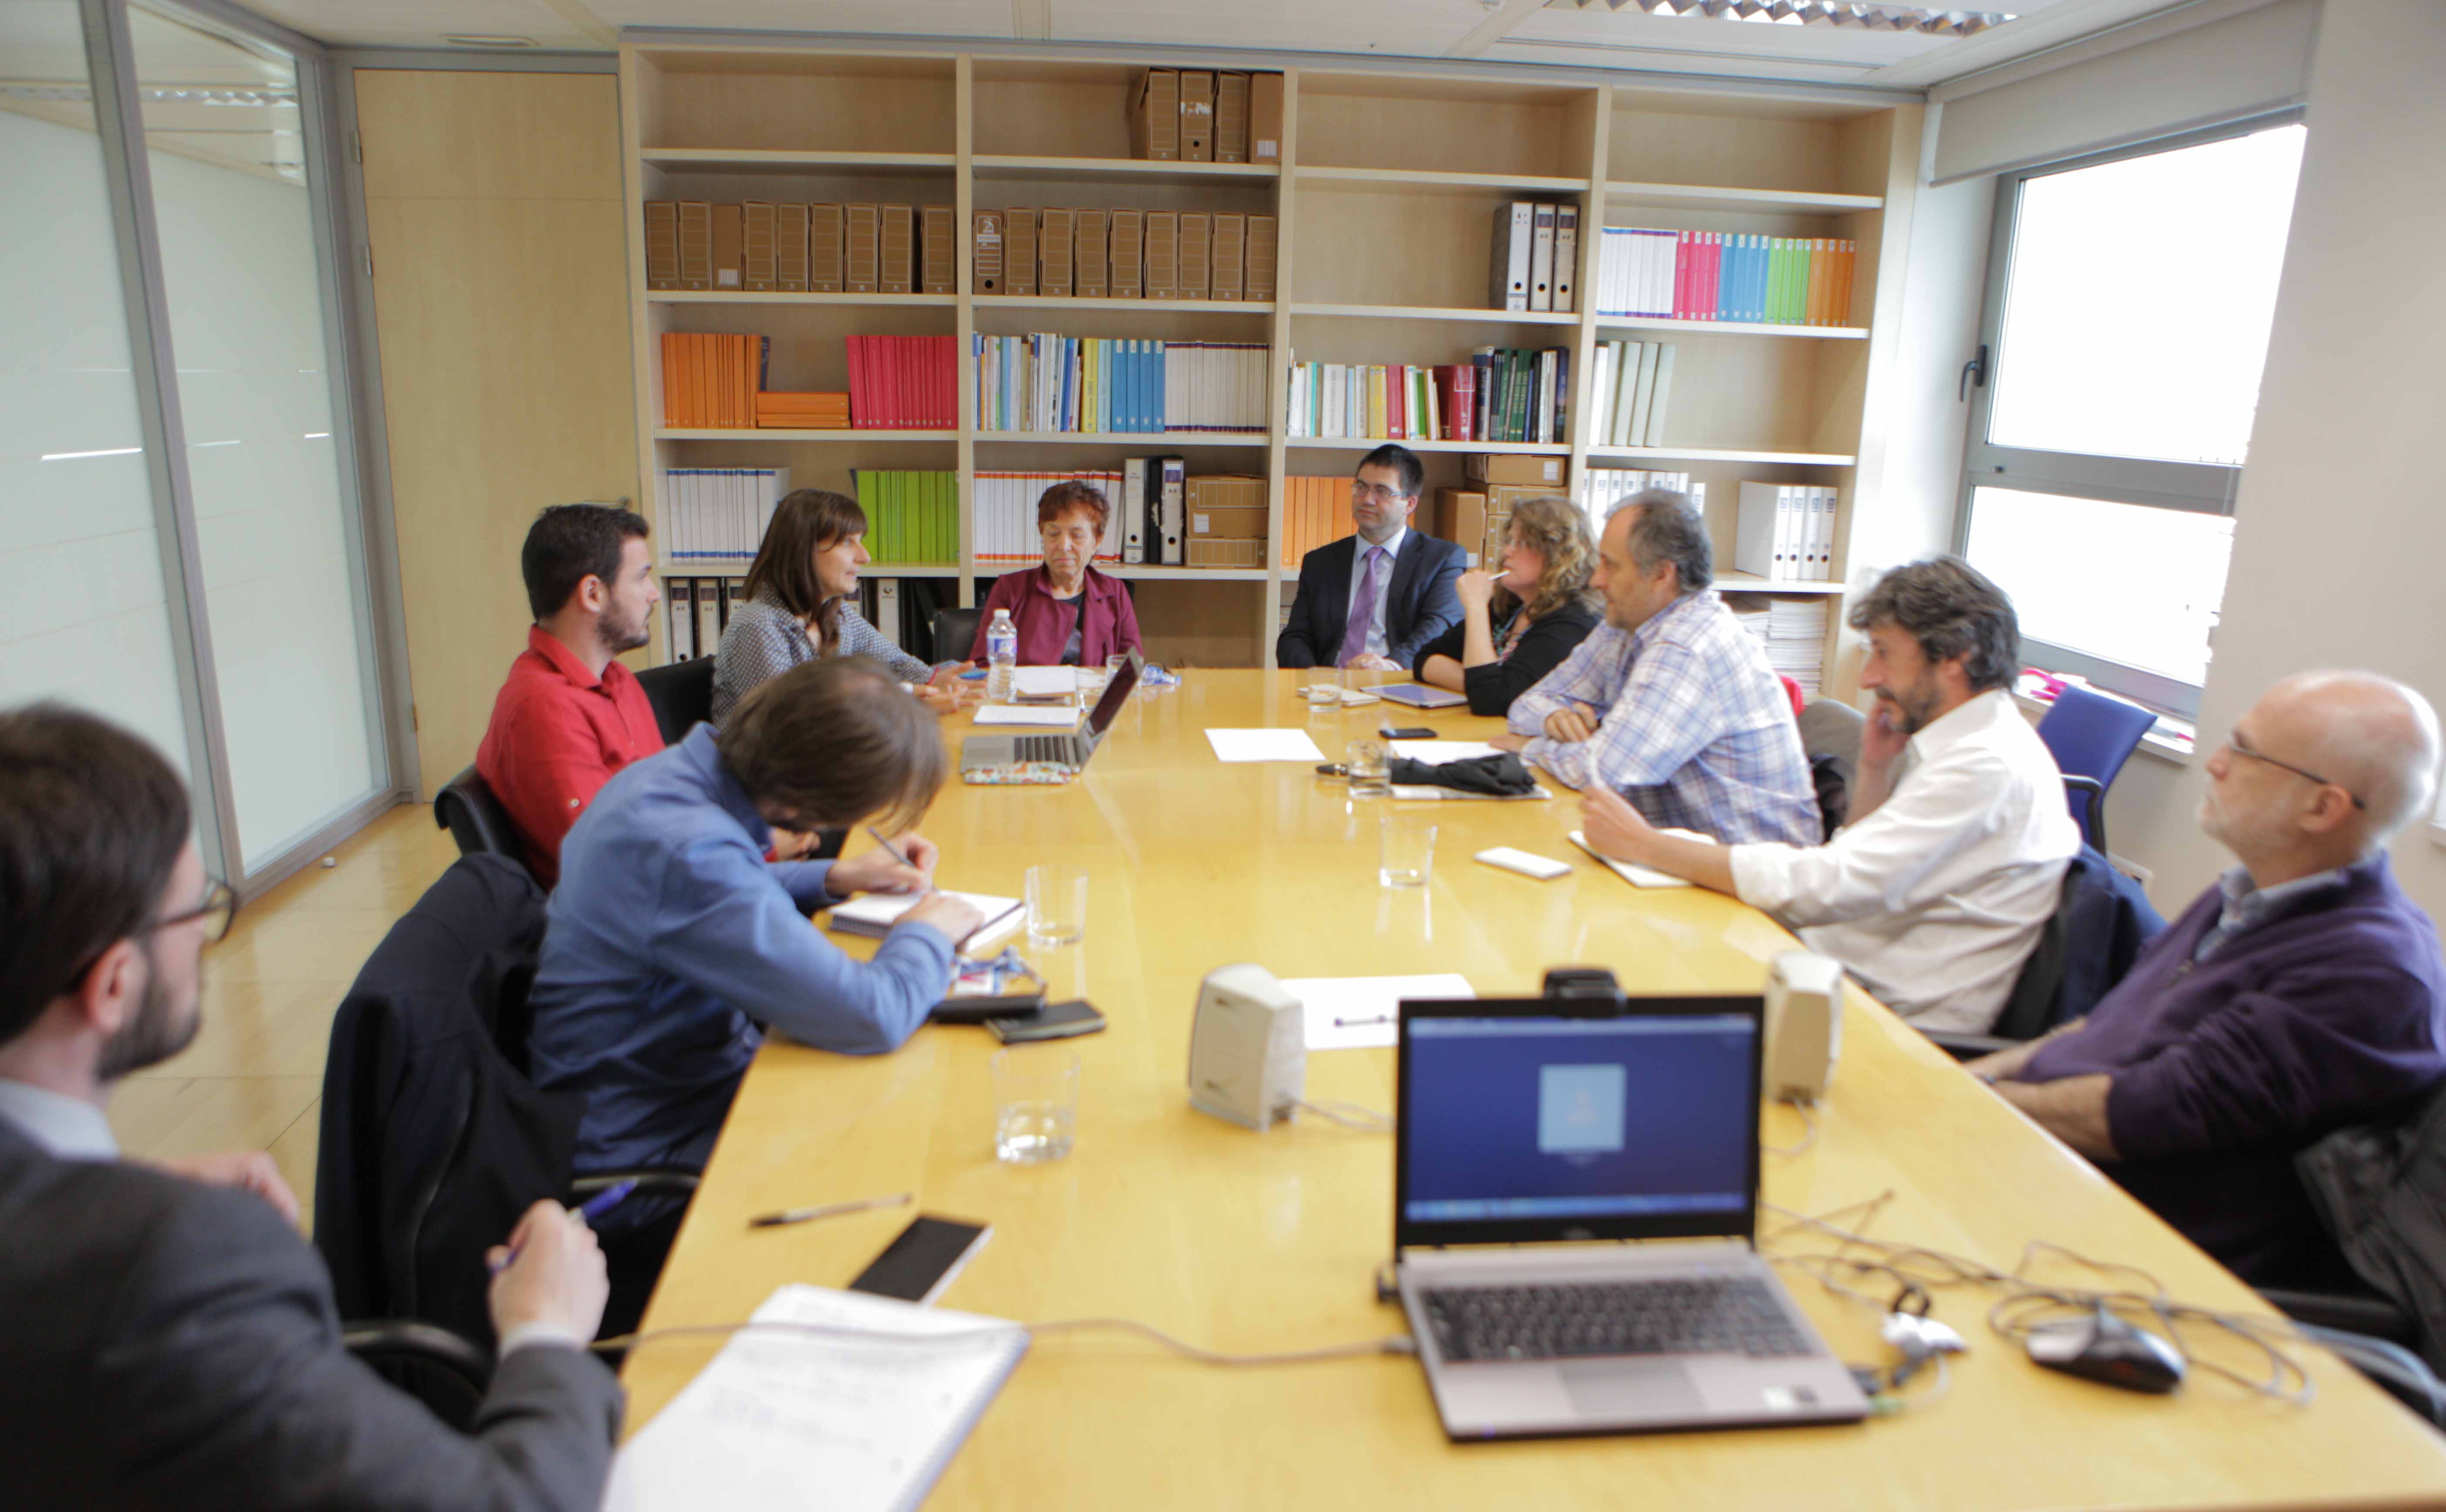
(2129, 301)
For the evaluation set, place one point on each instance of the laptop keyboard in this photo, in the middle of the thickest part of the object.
(1042, 748)
(1690, 1315)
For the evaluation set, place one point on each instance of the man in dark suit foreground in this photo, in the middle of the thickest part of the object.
(1373, 599)
(172, 1340)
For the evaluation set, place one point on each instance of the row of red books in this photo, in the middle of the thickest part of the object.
(904, 383)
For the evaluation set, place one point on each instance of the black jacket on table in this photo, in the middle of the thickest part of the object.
(1542, 647)
(1419, 604)
(174, 1345)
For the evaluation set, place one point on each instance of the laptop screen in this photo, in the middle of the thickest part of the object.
(1117, 693)
(1518, 1121)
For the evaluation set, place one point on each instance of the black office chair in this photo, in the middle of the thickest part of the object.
(466, 808)
(1830, 736)
(434, 1140)
(2100, 922)
(956, 633)
(682, 694)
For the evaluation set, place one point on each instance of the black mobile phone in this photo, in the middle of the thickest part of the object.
(917, 1265)
(1055, 1021)
(1415, 731)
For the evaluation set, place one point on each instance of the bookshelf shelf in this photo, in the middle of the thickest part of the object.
(669, 433)
(757, 160)
(1384, 198)
(1477, 317)
(1743, 583)
(725, 296)
(1123, 437)
(1700, 196)
(1732, 328)
(1189, 307)
(1429, 181)
(1701, 454)
(1138, 170)
(1368, 444)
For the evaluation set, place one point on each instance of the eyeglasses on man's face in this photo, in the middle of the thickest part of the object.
(218, 913)
(2240, 747)
(1384, 497)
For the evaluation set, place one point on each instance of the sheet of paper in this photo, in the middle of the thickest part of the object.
(1041, 716)
(1263, 745)
(1350, 1013)
(1428, 792)
(848, 1422)
(1637, 876)
(1437, 752)
(1043, 681)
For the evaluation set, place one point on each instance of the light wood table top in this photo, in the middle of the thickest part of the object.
(1243, 1242)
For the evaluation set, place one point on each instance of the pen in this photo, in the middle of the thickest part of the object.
(1361, 1023)
(890, 850)
(596, 1205)
(801, 1214)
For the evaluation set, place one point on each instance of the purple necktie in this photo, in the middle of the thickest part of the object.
(1362, 610)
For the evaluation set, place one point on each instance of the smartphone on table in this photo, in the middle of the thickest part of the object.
(926, 1257)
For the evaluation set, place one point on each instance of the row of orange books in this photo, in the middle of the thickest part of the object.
(802, 412)
(711, 383)
(1315, 511)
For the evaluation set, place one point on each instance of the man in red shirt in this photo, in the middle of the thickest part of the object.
(569, 716)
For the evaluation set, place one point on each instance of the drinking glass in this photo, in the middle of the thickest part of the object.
(1036, 1103)
(1406, 849)
(1057, 905)
(1369, 763)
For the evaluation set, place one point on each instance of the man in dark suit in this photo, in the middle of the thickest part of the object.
(171, 1339)
(1373, 599)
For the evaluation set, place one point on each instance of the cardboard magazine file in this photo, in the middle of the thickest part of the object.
(1258, 274)
(1228, 259)
(790, 249)
(696, 244)
(827, 250)
(661, 244)
(1163, 254)
(1231, 117)
(1266, 118)
(1155, 116)
(760, 247)
(1127, 262)
(1091, 245)
(1197, 246)
(898, 245)
(985, 253)
(1196, 115)
(1056, 230)
(1019, 251)
(938, 256)
(729, 248)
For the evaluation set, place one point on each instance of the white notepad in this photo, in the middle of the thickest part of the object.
(1263, 745)
(802, 1420)
(1638, 876)
(1040, 716)
(874, 914)
(1043, 681)
(1348, 1013)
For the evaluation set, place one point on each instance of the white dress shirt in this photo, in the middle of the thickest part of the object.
(1392, 548)
(1935, 899)
(70, 1128)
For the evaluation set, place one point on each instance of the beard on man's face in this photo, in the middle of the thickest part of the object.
(157, 1031)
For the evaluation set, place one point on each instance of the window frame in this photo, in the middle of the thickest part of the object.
(2195, 487)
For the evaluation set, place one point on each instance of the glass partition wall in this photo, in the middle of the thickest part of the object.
(181, 534)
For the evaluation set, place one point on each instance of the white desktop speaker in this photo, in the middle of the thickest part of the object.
(1804, 1025)
(1247, 1048)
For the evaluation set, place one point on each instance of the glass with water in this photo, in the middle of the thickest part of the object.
(1036, 1103)
(1370, 766)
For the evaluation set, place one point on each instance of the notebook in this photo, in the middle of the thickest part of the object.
(874, 914)
(1036, 715)
(1638, 876)
(1043, 681)
(846, 1422)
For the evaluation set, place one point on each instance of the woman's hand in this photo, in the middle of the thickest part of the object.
(1475, 590)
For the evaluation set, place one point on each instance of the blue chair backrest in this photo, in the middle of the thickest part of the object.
(2092, 735)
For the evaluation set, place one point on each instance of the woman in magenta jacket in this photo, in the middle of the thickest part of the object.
(1068, 613)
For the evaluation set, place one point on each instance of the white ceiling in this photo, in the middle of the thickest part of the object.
(1555, 31)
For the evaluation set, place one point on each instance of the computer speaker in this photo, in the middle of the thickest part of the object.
(1247, 1048)
(1804, 1025)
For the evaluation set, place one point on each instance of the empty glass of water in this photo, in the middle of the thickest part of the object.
(1405, 855)
(1036, 1103)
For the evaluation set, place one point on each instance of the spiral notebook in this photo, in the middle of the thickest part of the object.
(864, 1419)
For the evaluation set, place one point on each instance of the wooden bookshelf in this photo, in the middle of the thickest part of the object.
(1383, 197)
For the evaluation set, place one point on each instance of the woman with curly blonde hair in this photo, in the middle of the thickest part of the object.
(1518, 624)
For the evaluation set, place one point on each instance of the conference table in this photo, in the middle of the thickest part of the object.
(1246, 1242)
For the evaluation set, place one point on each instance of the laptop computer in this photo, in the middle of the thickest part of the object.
(1070, 749)
(1421, 695)
(1529, 1131)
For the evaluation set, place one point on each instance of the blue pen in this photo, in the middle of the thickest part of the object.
(596, 1205)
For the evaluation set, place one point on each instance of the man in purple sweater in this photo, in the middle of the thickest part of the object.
(2301, 993)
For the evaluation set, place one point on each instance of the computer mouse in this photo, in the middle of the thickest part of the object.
(2102, 1346)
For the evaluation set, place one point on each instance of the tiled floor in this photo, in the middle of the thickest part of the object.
(254, 1077)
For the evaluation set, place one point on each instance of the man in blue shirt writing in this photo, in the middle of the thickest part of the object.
(674, 945)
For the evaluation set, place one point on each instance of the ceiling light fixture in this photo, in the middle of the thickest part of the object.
(491, 41)
(1875, 17)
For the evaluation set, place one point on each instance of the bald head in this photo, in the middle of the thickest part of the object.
(2321, 771)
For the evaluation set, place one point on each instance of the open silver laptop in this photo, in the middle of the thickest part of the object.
(1070, 749)
(1532, 1131)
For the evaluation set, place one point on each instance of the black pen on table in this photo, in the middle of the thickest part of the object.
(801, 1214)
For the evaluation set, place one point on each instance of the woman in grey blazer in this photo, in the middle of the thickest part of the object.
(800, 605)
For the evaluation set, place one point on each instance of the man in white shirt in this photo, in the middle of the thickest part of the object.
(172, 1340)
(1935, 890)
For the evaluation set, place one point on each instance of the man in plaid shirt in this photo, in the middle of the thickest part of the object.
(1671, 704)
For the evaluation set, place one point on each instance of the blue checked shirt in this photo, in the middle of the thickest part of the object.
(1697, 732)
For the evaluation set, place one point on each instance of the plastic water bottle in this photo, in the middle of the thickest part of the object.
(1002, 654)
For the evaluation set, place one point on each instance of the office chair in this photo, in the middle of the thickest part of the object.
(956, 633)
(1830, 736)
(682, 694)
(2092, 735)
(434, 1140)
(466, 808)
(2100, 922)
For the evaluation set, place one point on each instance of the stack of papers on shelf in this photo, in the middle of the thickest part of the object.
(1795, 640)
(860, 1417)
(1752, 613)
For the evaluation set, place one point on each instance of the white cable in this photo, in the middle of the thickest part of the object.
(1808, 1133)
(1397, 1344)
(1349, 1115)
